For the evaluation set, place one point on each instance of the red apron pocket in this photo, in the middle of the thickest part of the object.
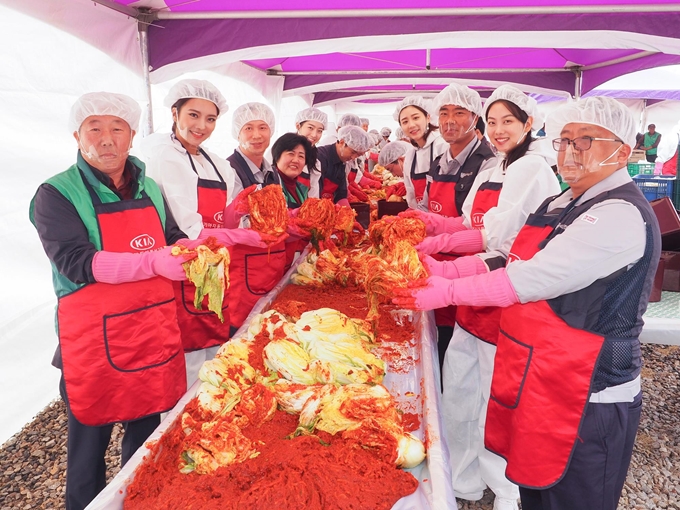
(264, 270)
(511, 365)
(121, 330)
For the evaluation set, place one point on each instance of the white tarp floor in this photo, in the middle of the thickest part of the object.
(44, 72)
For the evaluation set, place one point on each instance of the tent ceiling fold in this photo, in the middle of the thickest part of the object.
(326, 48)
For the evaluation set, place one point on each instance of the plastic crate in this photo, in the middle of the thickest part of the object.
(633, 168)
(675, 197)
(654, 187)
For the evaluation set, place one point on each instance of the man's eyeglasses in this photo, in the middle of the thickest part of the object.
(582, 143)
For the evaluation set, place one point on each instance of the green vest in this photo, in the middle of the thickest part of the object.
(649, 141)
(71, 185)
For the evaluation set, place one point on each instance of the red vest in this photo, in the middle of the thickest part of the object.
(202, 328)
(542, 374)
(120, 344)
(328, 189)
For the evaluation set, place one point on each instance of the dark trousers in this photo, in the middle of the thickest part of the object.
(86, 449)
(444, 335)
(651, 158)
(594, 479)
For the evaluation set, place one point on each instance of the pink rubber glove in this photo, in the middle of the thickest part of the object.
(226, 237)
(112, 267)
(436, 224)
(237, 208)
(343, 202)
(488, 289)
(452, 269)
(468, 241)
(365, 182)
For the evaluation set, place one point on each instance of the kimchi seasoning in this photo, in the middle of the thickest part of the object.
(410, 422)
(319, 472)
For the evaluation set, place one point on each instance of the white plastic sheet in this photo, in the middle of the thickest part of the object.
(434, 475)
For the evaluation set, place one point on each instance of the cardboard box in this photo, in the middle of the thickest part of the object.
(671, 272)
(657, 285)
(669, 223)
(637, 156)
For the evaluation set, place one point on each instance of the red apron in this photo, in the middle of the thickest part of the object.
(120, 344)
(482, 321)
(420, 180)
(253, 273)
(541, 381)
(442, 198)
(202, 328)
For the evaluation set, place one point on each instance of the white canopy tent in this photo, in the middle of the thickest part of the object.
(46, 69)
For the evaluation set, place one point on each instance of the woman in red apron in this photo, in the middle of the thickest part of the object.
(195, 184)
(311, 123)
(413, 116)
(292, 153)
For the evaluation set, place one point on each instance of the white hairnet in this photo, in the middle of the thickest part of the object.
(525, 103)
(313, 114)
(356, 138)
(364, 120)
(104, 103)
(375, 137)
(385, 131)
(199, 89)
(393, 151)
(399, 133)
(419, 101)
(249, 112)
(458, 95)
(605, 112)
(349, 119)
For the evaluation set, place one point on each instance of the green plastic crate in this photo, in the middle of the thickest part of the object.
(645, 168)
(633, 169)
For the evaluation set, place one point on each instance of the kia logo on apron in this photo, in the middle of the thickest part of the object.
(435, 206)
(142, 242)
(218, 216)
(327, 195)
(478, 220)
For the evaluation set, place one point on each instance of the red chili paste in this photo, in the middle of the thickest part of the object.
(320, 472)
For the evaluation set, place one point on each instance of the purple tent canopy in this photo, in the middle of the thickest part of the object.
(338, 50)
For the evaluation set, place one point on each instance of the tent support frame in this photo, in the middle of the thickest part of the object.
(143, 29)
(578, 82)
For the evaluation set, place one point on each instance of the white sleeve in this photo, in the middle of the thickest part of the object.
(528, 182)
(610, 236)
(236, 188)
(178, 183)
(228, 174)
(484, 174)
(408, 183)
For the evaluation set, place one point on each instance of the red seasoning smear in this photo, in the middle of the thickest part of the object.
(410, 422)
(321, 472)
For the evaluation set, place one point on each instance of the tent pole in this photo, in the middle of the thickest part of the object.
(578, 85)
(144, 46)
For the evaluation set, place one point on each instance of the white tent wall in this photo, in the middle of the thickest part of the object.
(47, 70)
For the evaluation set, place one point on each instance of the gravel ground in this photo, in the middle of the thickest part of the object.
(33, 462)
